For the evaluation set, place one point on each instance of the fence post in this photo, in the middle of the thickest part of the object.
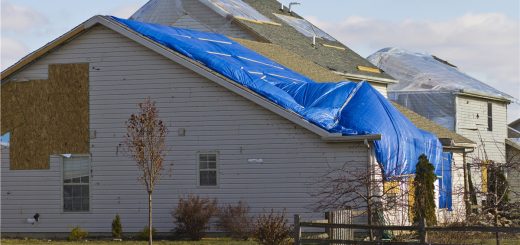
(423, 236)
(297, 230)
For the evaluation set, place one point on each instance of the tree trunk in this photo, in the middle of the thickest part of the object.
(150, 218)
(369, 214)
(497, 237)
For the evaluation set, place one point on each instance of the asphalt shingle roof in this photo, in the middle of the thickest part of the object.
(345, 61)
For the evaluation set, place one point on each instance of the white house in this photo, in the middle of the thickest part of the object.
(439, 91)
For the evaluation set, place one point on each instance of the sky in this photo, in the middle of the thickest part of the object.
(481, 37)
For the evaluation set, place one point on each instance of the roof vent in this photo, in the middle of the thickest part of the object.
(291, 4)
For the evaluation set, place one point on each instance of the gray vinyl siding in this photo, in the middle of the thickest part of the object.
(472, 123)
(123, 73)
(513, 174)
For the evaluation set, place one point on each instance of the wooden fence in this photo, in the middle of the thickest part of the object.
(421, 229)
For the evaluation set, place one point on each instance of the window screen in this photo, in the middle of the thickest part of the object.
(208, 169)
(76, 193)
(304, 27)
(490, 116)
(237, 9)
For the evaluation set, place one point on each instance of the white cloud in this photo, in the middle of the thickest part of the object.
(11, 51)
(125, 11)
(486, 46)
(20, 18)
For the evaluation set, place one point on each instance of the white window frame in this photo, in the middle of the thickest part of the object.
(217, 178)
(62, 201)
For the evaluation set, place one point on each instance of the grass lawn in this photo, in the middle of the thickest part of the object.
(206, 241)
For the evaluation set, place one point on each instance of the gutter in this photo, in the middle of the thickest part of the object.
(367, 78)
(354, 138)
(483, 96)
(448, 143)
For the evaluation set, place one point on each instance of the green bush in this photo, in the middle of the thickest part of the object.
(272, 229)
(77, 234)
(144, 234)
(192, 216)
(117, 229)
(236, 220)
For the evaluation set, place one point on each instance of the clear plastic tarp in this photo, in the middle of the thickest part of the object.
(164, 12)
(235, 8)
(438, 107)
(345, 108)
(305, 27)
(424, 72)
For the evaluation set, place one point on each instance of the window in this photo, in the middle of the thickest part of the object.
(76, 193)
(490, 116)
(208, 169)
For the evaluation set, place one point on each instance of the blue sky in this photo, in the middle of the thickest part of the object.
(481, 37)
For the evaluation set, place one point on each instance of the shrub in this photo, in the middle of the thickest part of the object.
(272, 229)
(236, 220)
(77, 234)
(144, 234)
(117, 230)
(192, 216)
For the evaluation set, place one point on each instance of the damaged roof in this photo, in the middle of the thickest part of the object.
(330, 54)
(320, 74)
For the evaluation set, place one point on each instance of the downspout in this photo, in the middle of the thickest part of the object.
(369, 187)
(467, 175)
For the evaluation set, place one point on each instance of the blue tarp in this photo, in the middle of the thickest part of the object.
(346, 107)
(445, 184)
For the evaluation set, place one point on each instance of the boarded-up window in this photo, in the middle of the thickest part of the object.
(208, 169)
(76, 193)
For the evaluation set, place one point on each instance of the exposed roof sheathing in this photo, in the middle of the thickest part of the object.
(46, 117)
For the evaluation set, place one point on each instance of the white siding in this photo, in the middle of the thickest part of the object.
(457, 178)
(381, 88)
(123, 73)
(472, 123)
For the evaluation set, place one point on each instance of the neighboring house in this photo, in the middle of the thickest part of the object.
(513, 175)
(513, 129)
(513, 157)
(439, 91)
(442, 93)
(266, 21)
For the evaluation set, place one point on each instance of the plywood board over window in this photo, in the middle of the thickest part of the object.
(46, 117)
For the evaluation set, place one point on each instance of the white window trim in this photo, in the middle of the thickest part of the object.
(217, 169)
(62, 210)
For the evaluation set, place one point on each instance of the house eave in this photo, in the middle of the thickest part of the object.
(512, 144)
(367, 78)
(483, 96)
